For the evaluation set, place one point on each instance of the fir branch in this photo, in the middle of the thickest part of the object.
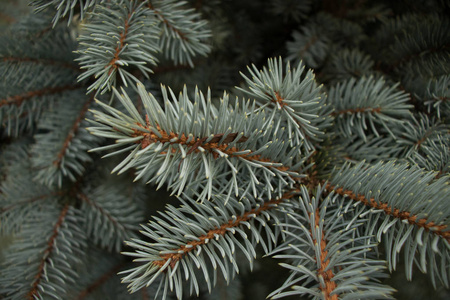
(413, 219)
(129, 43)
(174, 140)
(363, 105)
(34, 292)
(17, 100)
(324, 253)
(208, 237)
(414, 212)
(101, 280)
(43, 61)
(183, 34)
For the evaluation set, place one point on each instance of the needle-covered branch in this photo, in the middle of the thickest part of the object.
(413, 214)
(198, 242)
(196, 142)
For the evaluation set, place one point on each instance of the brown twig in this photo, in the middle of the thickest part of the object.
(34, 292)
(72, 132)
(412, 219)
(327, 275)
(219, 231)
(18, 99)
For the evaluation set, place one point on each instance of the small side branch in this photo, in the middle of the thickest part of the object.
(72, 132)
(208, 144)
(34, 292)
(105, 213)
(19, 99)
(326, 275)
(41, 61)
(101, 280)
(120, 45)
(412, 219)
(218, 231)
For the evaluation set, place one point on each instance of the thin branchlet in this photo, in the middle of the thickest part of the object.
(19, 99)
(34, 292)
(220, 231)
(72, 132)
(327, 275)
(194, 144)
(440, 230)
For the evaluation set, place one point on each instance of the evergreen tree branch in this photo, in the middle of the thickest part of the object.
(183, 127)
(129, 43)
(61, 146)
(360, 106)
(49, 244)
(42, 61)
(111, 217)
(72, 132)
(328, 285)
(190, 246)
(413, 219)
(34, 292)
(182, 34)
(421, 132)
(414, 212)
(101, 280)
(324, 253)
(17, 100)
(208, 237)
(293, 97)
(64, 8)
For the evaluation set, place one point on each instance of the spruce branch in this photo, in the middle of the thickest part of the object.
(182, 32)
(362, 106)
(40, 61)
(346, 64)
(20, 196)
(130, 42)
(309, 45)
(64, 8)
(420, 132)
(325, 253)
(437, 96)
(60, 150)
(292, 97)
(112, 208)
(435, 156)
(17, 100)
(177, 142)
(200, 241)
(414, 211)
(50, 244)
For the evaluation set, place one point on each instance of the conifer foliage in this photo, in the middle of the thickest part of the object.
(314, 133)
